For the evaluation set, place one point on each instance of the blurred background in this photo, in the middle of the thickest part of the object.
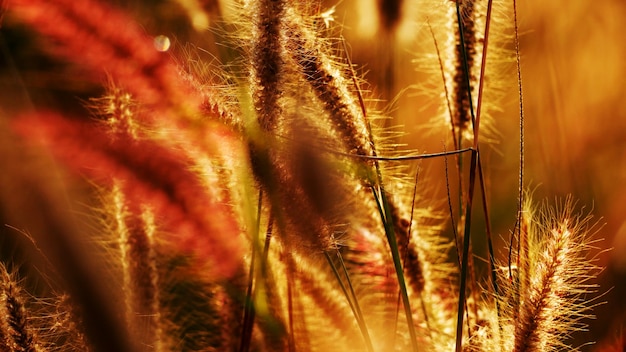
(573, 66)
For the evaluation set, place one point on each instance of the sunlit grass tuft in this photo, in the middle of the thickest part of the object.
(258, 200)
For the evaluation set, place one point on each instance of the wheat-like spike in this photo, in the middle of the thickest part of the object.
(332, 90)
(136, 243)
(117, 109)
(197, 314)
(538, 309)
(304, 223)
(290, 172)
(156, 175)
(6, 338)
(461, 115)
(211, 82)
(67, 332)
(428, 271)
(139, 273)
(148, 278)
(171, 157)
(552, 306)
(329, 84)
(119, 214)
(267, 71)
(271, 165)
(4, 335)
(17, 333)
(441, 59)
(128, 55)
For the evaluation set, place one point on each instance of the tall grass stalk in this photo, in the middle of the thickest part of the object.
(252, 196)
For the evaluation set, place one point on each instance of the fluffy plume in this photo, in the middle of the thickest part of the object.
(545, 290)
(267, 62)
(139, 272)
(151, 173)
(16, 334)
(329, 84)
(127, 55)
(256, 206)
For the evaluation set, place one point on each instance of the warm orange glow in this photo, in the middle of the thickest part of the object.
(257, 175)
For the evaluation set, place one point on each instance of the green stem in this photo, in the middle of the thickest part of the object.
(470, 195)
(386, 216)
(352, 299)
